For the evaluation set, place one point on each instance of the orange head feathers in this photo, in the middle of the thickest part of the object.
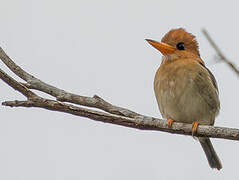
(177, 41)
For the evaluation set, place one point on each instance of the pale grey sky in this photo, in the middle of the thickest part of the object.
(98, 47)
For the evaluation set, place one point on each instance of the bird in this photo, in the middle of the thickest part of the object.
(186, 91)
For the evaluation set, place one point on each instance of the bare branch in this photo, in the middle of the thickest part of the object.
(61, 95)
(140, 122)
(116, 115)
(219, 52)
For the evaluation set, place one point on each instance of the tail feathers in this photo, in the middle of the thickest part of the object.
(211, 154)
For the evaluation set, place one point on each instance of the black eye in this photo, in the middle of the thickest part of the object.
(180, 46)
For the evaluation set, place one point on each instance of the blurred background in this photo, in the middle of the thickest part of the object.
(98, 47)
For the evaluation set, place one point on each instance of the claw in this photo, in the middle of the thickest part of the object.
(194, 128)
(170, 122)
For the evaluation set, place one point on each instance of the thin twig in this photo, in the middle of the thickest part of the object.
(15, 85)
(219, 52)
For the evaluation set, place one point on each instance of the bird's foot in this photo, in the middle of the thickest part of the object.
(170, 122)
(194, 128)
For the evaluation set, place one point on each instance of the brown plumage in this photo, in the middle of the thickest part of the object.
(186, 91)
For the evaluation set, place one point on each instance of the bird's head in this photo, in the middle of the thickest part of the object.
(177, 43)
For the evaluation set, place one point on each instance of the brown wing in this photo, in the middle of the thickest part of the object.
(206, 86)
(214, 82)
